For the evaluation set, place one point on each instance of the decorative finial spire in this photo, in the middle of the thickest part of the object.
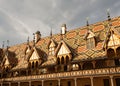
(7, 44)
(108, 14)
(51, 33)
(87, 21)
(33, 39)
(28, 41)
(3, 44)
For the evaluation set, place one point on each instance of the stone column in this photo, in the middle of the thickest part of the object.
(75, 79)
(55, 68)
(29, 83)
(91, 79)
(42, 82)
(18, 83)
(9, 83)
(81, 65)
(111, 80)
(26, 72)
(58, 82)
(93, 62)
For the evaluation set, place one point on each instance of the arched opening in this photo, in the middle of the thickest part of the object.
(88, 65)
(65, 67)
(36, 64)
(62, 60)
(7, 69)
(110, 53)
(118, 52)
(67, 59)
(100, 64)
(58, 61)
(117, 62)
(75, 67)
(32, 64)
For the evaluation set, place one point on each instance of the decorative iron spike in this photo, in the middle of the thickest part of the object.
(33, 39)
(87, 21)
(28, 41)
(51, 33)
(3, 44)
(108, 14)
(7, 44)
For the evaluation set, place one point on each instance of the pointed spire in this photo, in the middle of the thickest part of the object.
(87, 23)
(33, 39)
(28, 41)
(7, 44)
(108, 14)
(51, 33)
(3, 44)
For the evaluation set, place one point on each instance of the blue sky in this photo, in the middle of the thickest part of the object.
(21, 18)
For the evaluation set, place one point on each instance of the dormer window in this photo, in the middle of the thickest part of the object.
(51, 50)
(90, 40)
(90, 43)
(52, 47)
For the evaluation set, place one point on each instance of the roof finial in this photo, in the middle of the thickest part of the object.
(51, 33)
(7, 44)
(108, 14)
(33, 39)
(28, 41)
(3, 44)
(87, 21)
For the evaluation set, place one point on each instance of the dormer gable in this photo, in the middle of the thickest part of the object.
(89, 34)
(35, 55)
(27, 50)
(9, 60)
(63, 49)
(6, 63)
(51, 47)
(63, 53)
(90, 39)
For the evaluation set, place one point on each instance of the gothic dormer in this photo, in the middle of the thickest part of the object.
(90, 39)
(51, 47)
(112, 41)
(63, 53)
(35, 57)
(9, 60)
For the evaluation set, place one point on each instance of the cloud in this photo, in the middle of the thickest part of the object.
(19, 19)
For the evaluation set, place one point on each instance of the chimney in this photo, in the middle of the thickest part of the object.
(37, 36)
(63, 29)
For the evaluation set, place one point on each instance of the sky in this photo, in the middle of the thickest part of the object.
(21, 18)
